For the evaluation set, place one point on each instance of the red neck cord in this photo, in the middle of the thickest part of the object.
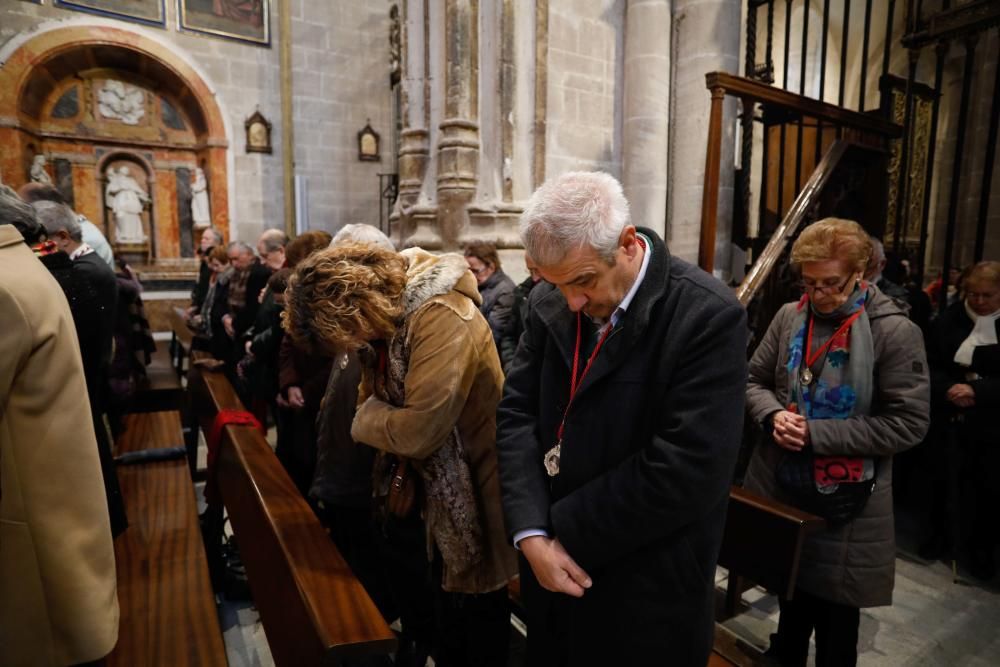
(809, 336)
(574, 382)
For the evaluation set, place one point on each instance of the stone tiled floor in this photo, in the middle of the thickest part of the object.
(933, 620)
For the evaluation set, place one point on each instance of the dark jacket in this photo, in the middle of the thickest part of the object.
(104, 281)
(949, 331)
(519, 315)
(343, 474)
(92, 302)
(647, 458)
(201, 287)
(265, 337)
(852, 564)
(244, 317)
(498, 298)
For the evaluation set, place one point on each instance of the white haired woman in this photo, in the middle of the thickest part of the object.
(965, 388)
(840, 384)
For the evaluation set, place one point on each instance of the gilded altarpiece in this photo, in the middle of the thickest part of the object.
(894, 99)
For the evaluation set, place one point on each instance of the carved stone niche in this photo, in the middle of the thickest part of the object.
(127, 191)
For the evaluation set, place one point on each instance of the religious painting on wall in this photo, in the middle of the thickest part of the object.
(244, 20)
(150, 12)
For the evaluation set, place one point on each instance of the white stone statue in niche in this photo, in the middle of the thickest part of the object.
(38, 173)
(126, 199)
(121, 101)
(199, 200)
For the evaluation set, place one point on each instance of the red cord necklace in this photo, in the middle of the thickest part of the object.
(551, 459)
(807, 376)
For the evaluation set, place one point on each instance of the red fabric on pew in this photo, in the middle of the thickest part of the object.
(222, 419)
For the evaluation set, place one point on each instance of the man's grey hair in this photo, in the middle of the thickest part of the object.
(214, 232)
(876, 259)
(15, 211)
(575, 210)
(58, 218)
(242, 246)
(361, 233)
(273, 240)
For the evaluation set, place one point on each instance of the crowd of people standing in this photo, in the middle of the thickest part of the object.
(452, 429)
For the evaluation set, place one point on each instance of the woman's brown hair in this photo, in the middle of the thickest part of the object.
(833, 238)
(304, 245)
(485, 252)
(343, 297)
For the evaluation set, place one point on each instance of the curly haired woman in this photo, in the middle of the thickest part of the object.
(433, 380)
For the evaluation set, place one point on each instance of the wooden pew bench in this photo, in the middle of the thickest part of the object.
(180, 341)
(762, 543)
(168, 612)
(313, 608)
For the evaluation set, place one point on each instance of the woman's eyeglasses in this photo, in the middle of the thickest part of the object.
(824, 287)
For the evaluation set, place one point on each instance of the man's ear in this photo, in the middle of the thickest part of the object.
(628, 240)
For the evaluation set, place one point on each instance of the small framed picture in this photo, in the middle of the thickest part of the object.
(258, 134)
(368, 144)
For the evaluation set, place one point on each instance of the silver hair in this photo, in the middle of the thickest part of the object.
(575, 210)
(273, 239)
(58, 218)
(362, 233)
(242, 246)
(214, 232)
(14, 211)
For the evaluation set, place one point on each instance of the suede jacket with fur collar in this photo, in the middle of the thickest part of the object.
(453, 380)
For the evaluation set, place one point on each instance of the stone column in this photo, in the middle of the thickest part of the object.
(414, 148)
(645, 111)
(458, 147)
(706, 38)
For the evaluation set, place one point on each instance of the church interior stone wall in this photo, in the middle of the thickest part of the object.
(340, 63)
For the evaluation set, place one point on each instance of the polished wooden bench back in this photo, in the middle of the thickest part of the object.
(314, 610)
(763, 542)
(168, 613)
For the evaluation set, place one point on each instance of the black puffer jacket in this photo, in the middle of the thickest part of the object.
(498, 303)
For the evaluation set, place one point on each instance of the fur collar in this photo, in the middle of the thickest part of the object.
(432, 275)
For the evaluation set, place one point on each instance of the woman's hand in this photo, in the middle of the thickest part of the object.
(791, 431)
(295, 398)
(962, 395)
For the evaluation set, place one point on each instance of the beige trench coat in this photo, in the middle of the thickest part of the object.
(58, 597)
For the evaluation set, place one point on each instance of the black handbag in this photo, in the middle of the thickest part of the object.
(796, 475)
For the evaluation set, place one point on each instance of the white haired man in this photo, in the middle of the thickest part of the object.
(617, 435)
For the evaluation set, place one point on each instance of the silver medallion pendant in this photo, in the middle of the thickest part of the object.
(807, 377)
(551, 460)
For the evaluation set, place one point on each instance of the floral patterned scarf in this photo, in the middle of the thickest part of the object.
(841, 382)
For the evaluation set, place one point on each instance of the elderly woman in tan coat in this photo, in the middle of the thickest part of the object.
(840, 384)
(431, 386)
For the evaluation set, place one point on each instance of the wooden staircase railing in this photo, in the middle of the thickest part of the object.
(851, 126)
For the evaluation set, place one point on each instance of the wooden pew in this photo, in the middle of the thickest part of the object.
(168, 613)
(314, 610)
(180, 340)
(763, 542)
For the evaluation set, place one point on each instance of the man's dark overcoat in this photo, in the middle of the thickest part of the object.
(647, 460)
